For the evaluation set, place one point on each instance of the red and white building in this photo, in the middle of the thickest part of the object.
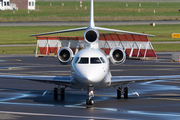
(17, 4)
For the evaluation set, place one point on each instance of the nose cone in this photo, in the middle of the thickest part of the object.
(91, 74)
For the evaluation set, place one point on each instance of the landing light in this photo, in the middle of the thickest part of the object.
(91, 92)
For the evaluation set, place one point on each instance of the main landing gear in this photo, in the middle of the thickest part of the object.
(59, 91)
(124, 91)
(90, 93)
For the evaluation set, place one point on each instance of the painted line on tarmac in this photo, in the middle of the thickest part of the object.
(56, 115)
(20, 67)
(3, 60)
(105, 95)
(151, 65)
(166, 114)
(116, 70)
(169, 99)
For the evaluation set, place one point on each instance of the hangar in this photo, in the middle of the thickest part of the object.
(17, 4)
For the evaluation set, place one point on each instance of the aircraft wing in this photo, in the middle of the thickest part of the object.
(61, 80)
(122, 80)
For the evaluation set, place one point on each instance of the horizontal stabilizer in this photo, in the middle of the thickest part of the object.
(121, 31)
(61, 31)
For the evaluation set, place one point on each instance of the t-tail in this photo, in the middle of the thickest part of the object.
(91, 26)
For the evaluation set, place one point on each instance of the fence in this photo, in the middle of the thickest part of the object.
(135, 46)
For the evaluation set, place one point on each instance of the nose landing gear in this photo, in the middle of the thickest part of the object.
(90, 93)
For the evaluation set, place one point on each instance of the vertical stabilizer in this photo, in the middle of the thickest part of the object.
(91, 23)
(92, 26)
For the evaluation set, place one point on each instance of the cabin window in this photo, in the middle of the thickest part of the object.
(95, 61)
(82, 60)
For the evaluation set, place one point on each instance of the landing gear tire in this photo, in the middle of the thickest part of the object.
(90, 102)
(55, 93)
(87, 102)
(125, 93)
(62, 93)
(119, 93)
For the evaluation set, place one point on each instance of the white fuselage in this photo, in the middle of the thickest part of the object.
(90, 67)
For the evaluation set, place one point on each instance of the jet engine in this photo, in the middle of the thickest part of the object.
(91, 35)
(65, 55)
(117, 56)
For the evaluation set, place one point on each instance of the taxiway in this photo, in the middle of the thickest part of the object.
(21, 99)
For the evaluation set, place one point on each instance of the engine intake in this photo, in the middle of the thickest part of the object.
(117, 56)
(91, 35)
(65, 55)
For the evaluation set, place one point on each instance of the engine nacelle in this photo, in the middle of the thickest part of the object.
(91, 35)
(65, 55)
(117, 56)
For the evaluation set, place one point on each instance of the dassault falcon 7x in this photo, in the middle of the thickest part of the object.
(90, 66)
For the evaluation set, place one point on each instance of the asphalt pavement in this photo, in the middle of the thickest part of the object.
(83, 23)
(21, 99)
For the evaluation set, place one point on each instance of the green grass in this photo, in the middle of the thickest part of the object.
(166, 47)
(20, 35)
(18, 50)
(162, 32)
(104, 11)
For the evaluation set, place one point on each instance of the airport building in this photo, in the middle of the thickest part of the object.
(17, 4)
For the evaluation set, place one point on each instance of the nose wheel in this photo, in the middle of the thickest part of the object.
(90, 93)
(89, 102)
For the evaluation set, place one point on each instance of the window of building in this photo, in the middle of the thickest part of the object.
(7, 3)
(32, 3)
(29, 3)
(4, 3)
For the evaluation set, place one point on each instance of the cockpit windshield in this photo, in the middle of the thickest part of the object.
(95, 61)
(82, 60)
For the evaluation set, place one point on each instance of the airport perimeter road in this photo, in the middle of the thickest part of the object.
(120, 0)
(98, 23)
(23, 100)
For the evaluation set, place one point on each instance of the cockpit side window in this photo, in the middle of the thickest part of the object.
(95, 61)
(76, 60)
(102, 60)
(82, 60)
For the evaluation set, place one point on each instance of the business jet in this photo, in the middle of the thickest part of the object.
(90, 66)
